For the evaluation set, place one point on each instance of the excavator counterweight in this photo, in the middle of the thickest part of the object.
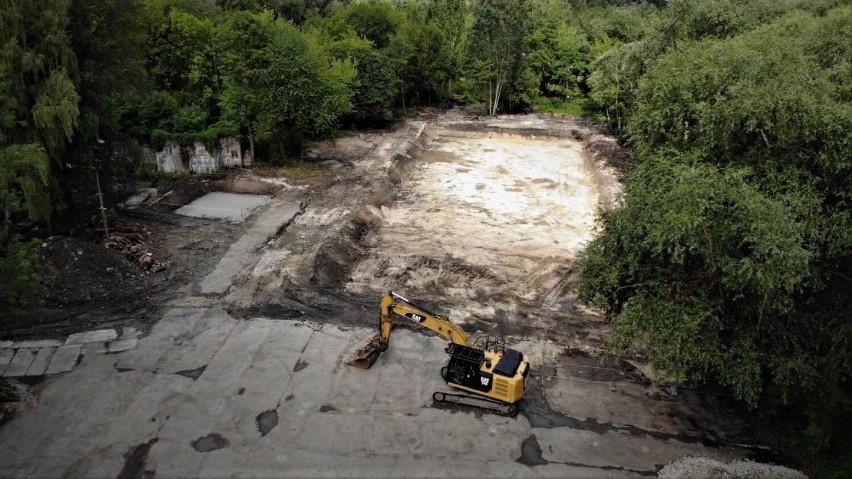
(493, 379)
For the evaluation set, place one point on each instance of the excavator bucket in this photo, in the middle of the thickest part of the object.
(366, 352)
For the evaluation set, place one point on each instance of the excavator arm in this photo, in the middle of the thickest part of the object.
(393, 305)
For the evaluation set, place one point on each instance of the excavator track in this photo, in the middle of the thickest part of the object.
(498, 407)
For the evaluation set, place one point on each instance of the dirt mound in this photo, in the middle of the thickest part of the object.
(93, 285)
(416, 274)
(87, 272)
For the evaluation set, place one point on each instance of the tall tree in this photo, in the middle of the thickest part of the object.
(277, 84)
(39, 100)
(497, 40)
(730, 257)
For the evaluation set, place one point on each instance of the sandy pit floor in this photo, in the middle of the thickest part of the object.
(490, 223)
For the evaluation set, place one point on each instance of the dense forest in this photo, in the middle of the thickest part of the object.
(729, 259)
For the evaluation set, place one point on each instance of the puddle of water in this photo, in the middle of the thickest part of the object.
(266, 421)
(531, 452)
(438, 156)
(210, 442)
(135, 459)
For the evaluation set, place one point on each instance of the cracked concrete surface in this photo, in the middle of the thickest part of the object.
(208, 394)
(331, 420)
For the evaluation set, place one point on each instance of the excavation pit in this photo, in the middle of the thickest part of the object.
(488, 224)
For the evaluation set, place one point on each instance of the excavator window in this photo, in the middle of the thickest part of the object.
(509, 363)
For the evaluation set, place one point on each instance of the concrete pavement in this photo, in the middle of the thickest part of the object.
(207, 395)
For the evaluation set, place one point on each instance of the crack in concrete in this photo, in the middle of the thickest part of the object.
(303, 205)
(193, 374)
(134, 461)
(300, 365)
(266, 421)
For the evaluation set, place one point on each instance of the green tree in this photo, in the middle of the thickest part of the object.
(496, 45)
(698, 270)
(278, 84)
(454, 19)
(40, 110)
(418, 49)
(730, 257)
(375, 21)
(555, 53)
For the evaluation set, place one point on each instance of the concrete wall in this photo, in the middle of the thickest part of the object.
(200, 160)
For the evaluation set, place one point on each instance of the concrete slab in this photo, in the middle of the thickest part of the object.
(41, 361)
(207, 330)
(6, 344)
(333, 420)
(20, 363)
(64, 359)
(241, 254)
(227, 206)
(168, 336)
(6, 355)
(122, 345)
(129, 332)
(98, 336)
(41, 343)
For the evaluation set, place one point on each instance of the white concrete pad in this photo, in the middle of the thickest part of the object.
(41, 361)
(6, 355)
(65, 358)
(6, 344)
(20, 363)
(41, 343)
(98, 336)
(227, 206)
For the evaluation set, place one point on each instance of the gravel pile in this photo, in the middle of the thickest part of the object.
(695, 467)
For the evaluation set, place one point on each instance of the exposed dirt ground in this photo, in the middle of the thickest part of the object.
(479, 219)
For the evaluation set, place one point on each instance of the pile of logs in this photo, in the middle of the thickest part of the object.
(130, 238)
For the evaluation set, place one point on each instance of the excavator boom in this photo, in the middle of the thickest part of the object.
(391, 305)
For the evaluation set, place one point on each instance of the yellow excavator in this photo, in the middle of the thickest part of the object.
(492, 379)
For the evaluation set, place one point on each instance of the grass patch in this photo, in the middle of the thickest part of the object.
(302, 170)
(576, 106)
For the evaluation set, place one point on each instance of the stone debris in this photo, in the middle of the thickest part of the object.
(50, 356)
(122, 345)
(98, 336)
(697, 467)
(35, 344)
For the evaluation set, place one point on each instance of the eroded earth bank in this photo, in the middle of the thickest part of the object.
(235, 368)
